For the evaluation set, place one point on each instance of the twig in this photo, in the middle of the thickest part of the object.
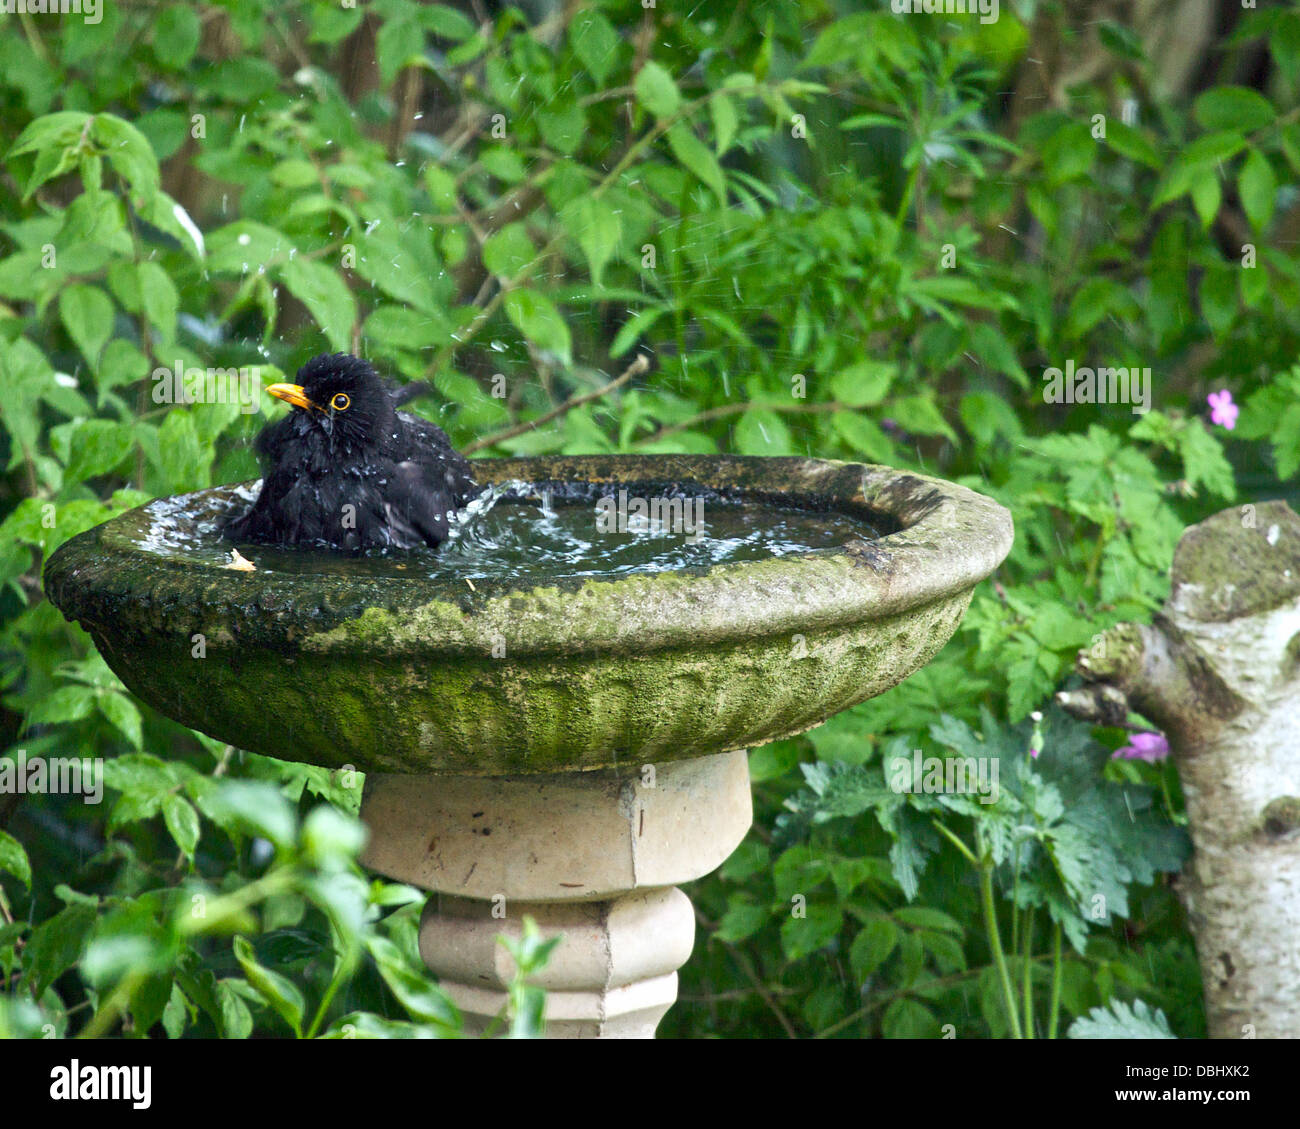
(638, 366)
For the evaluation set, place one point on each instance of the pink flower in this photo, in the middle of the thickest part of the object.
(1222, 410)
(1150, 747)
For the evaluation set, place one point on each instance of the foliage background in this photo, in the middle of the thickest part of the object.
(903, 218)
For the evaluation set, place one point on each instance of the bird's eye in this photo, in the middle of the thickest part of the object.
(341, 402)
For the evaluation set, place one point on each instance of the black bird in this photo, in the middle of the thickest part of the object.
(346, 470)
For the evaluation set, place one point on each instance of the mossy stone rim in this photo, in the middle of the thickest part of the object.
(947, 539)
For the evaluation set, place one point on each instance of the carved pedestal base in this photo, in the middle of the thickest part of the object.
(593, 857)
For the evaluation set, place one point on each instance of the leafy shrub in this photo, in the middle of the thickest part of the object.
(837, 235)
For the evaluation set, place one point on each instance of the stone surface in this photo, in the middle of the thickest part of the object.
(613, 975)
(571, 836)
(590, 856)
(397, 674)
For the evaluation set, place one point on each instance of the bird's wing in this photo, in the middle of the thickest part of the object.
(419, 501)
(429, 445)
(408, 392)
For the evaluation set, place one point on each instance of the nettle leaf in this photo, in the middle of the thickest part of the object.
(1119, 1020)
(536, 317)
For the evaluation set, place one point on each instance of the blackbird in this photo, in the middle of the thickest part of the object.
(346, 470)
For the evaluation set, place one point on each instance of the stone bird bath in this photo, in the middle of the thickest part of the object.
(570, 749)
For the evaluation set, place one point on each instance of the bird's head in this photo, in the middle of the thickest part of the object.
(342, 396)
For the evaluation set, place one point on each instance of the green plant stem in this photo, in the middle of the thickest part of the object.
(336, 981)
(1054, 1010)
(995, 944)
(1027, 986)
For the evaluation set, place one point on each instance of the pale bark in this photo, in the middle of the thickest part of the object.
(1219, 672)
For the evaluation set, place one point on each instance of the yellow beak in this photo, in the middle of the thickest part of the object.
(291, 394)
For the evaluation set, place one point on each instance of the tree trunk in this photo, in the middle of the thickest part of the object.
(1219, 672)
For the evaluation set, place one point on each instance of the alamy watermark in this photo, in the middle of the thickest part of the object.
(1103, 385)
(91, 11)
(180, 385)
(953, 776)
(57, 776)
(987, 10)
(657, 516)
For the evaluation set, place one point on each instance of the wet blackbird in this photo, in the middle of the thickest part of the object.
(346, 470)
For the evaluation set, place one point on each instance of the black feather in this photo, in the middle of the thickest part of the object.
(353, 477)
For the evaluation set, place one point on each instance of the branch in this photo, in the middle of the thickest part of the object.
(637, 366)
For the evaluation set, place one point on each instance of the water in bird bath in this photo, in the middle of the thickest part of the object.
(520, 531)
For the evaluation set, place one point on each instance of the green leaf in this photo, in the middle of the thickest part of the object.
(130, 154)
(1119, 1020)
(742, 920)
(656, 90)
(182, 822)
(865, 383)
(803, 936)
(253, 807)
(632, 329)
(176, 32)
(509, 250)
(87, 315)
(236, 1019)
(762, 432)
(53, 131)
(1233, 107)
(597, 228)
(698, 158)
(536, 318)
(445, 21)
(97, 447)
(1257, 185)
(279, 992)
(414, 990)
(125, 717)
(595, 42)
(723, 111)
(863, 437)
(872, 946)
(14, 859)
(1131, 143)
(325, 295)
(158, 293)
(57, 944)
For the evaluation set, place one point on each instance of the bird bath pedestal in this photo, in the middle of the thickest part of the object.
(571, 749)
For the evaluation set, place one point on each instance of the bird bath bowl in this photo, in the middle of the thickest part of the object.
(566, 746)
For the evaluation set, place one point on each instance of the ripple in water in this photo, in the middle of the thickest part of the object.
(517, 531)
